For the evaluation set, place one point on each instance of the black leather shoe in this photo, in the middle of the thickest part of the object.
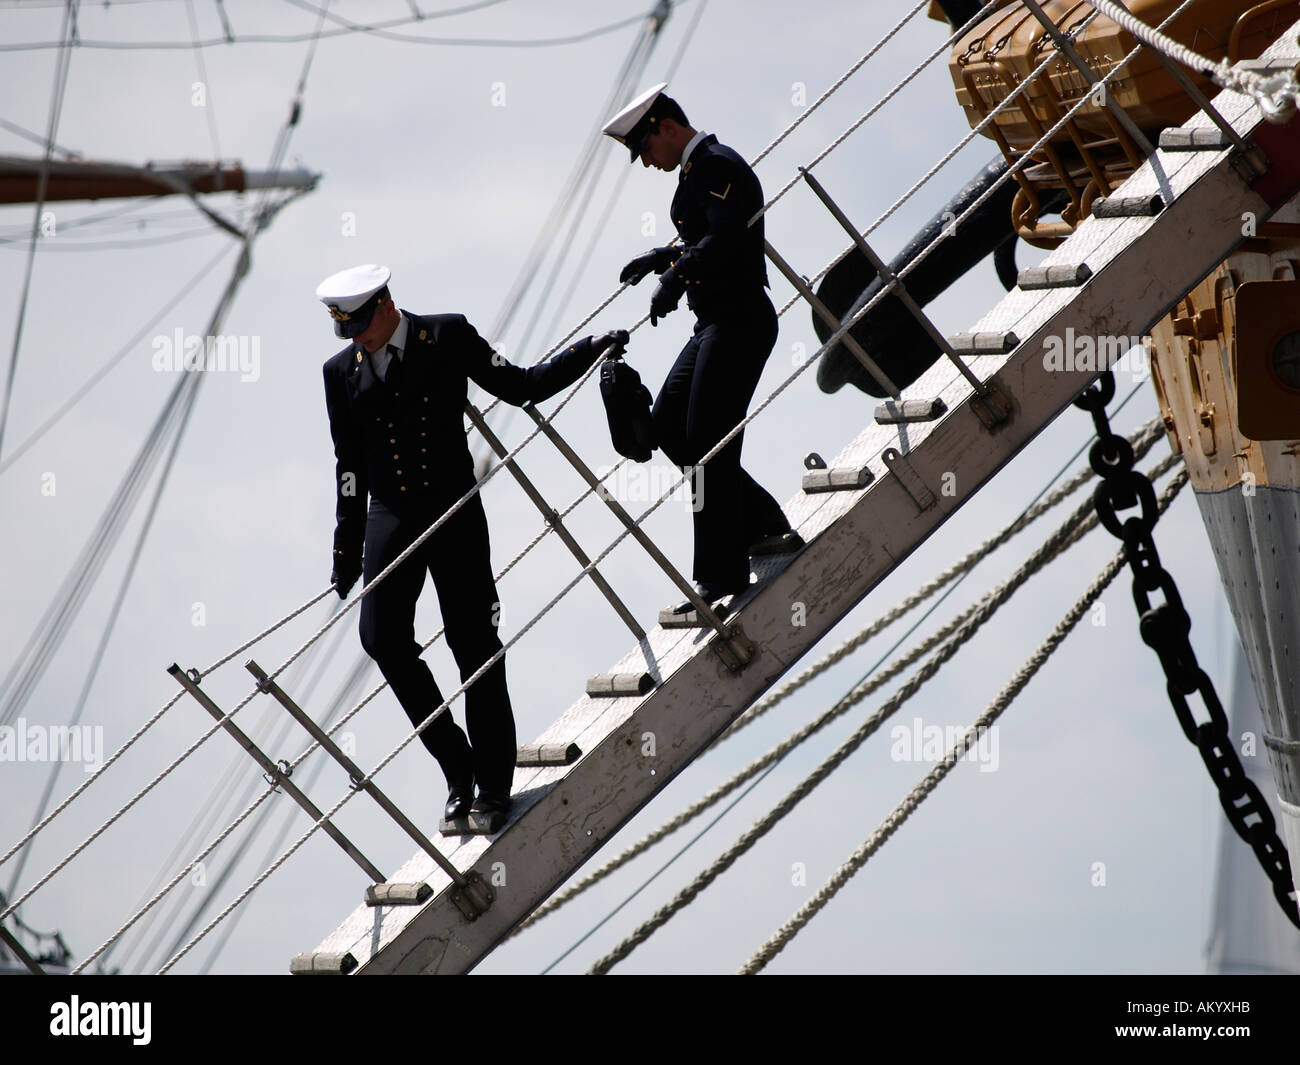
(490, 810)
(782, 543)
(460, 799)
(491, 802)
(710, 593)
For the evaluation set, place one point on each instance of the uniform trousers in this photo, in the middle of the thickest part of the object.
(705, 395)
(458, 558)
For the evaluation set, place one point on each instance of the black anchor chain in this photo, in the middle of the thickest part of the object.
(1165, 628)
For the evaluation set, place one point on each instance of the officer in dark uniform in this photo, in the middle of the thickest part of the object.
(396, 399)
(719, 266)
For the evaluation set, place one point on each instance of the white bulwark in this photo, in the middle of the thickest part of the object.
(1138, 267)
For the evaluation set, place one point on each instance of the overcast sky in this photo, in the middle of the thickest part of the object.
(442, 161)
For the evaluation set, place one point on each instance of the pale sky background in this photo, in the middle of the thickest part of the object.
(994, 873)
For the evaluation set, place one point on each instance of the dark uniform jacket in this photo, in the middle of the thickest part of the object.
(722, 263)
(402, 440)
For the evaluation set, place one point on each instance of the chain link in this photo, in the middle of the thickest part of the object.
(1165, 628)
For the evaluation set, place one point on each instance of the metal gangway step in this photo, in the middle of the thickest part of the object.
(862, 514)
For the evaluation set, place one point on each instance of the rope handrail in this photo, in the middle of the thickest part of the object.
(931, 780)
(268, 630)
(839, 82)
(874, 108)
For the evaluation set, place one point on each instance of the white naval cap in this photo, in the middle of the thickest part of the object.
(631, 125)
(350, 297)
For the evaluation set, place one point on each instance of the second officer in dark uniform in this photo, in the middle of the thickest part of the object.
(719, 266)
(396, 400)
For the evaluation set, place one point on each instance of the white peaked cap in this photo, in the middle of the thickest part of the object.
(349, 289)
(621, 124)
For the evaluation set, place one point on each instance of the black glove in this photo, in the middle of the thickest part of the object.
(610, 345)
(656, 259)
(346, 572)
(665, 298)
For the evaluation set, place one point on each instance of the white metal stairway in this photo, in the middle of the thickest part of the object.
(916, 476)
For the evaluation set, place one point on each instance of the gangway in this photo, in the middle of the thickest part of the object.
(862, 514)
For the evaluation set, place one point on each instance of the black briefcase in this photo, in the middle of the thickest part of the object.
(627, 405)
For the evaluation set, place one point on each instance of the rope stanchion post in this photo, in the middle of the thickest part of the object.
(1066, 47)
(357, 778)
(996, 409)
(20, 952)
(735, 652)
(948, 157)
(814, 301)
(554, 520)
(276, 773)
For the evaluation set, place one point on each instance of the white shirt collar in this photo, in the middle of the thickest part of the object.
(690, 145)
(398, 339)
